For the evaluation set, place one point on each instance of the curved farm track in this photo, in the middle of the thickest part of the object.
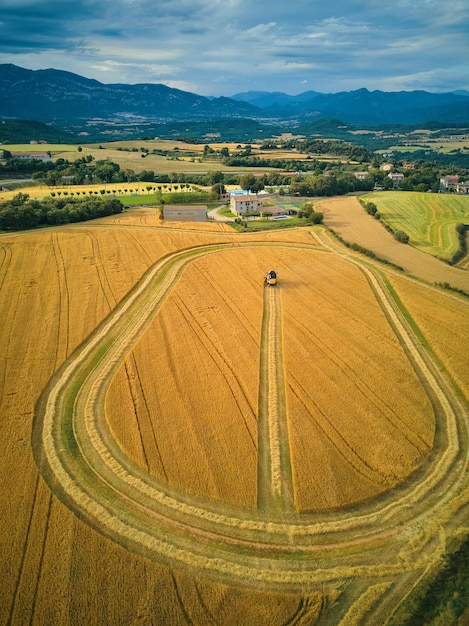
(393, 539)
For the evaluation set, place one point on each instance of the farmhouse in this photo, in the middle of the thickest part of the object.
(396, 178)
(360, 175)
(449, 183)
(42, 156)
(194, 213)
(245, 203)
(462, 187)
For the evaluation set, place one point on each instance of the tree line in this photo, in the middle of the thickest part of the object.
(310, 176)
(22, 213)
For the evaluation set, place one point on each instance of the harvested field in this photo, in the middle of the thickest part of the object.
(350, 221)
(160, 534)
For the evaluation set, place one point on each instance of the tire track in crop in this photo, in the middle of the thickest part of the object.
(349, 455)
(139, 246)
(41, 560)
(209, 618)
(210, 343)
(36, 492)
(275, 482)
(5, 262)
(23, 554)
(231, 301)
(302, 615)
(103, 279)
(111, 300)
(135, 413)
(130, 507)
(181, 602)
(32, 556)
(147, 412)
(63, 331)
(64, 296)
(412, 437)
(61, 351)
(4, 268)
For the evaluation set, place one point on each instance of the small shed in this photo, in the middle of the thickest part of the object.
(185, 213)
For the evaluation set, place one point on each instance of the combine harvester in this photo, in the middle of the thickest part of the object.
(270, 279)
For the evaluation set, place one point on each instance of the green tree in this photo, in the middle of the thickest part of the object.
(104, 172)
(53, 178)
(401, 236)
(215, 178)
(316, 217)
(218, 189)
(247, 181)
(38, 176)
(128, 174)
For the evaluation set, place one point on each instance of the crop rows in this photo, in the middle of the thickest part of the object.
(138, 500)
(429, 219)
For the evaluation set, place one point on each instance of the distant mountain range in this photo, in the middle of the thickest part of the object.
(57, 97)
(363, 106)
(53, 95)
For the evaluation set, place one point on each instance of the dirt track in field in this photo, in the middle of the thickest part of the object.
(275, 483)
(349, 220)
(85, 468)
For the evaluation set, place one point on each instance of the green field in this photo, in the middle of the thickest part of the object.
(429, 219)
(40, 147)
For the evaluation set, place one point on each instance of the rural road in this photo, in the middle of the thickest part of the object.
(214, 214)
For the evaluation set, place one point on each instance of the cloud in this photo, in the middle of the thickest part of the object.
(220, 47)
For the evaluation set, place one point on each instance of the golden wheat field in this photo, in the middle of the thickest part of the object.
(358, 406)
(444, 326)
(335, 343)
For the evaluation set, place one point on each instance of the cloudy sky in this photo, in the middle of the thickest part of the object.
(222, 47)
